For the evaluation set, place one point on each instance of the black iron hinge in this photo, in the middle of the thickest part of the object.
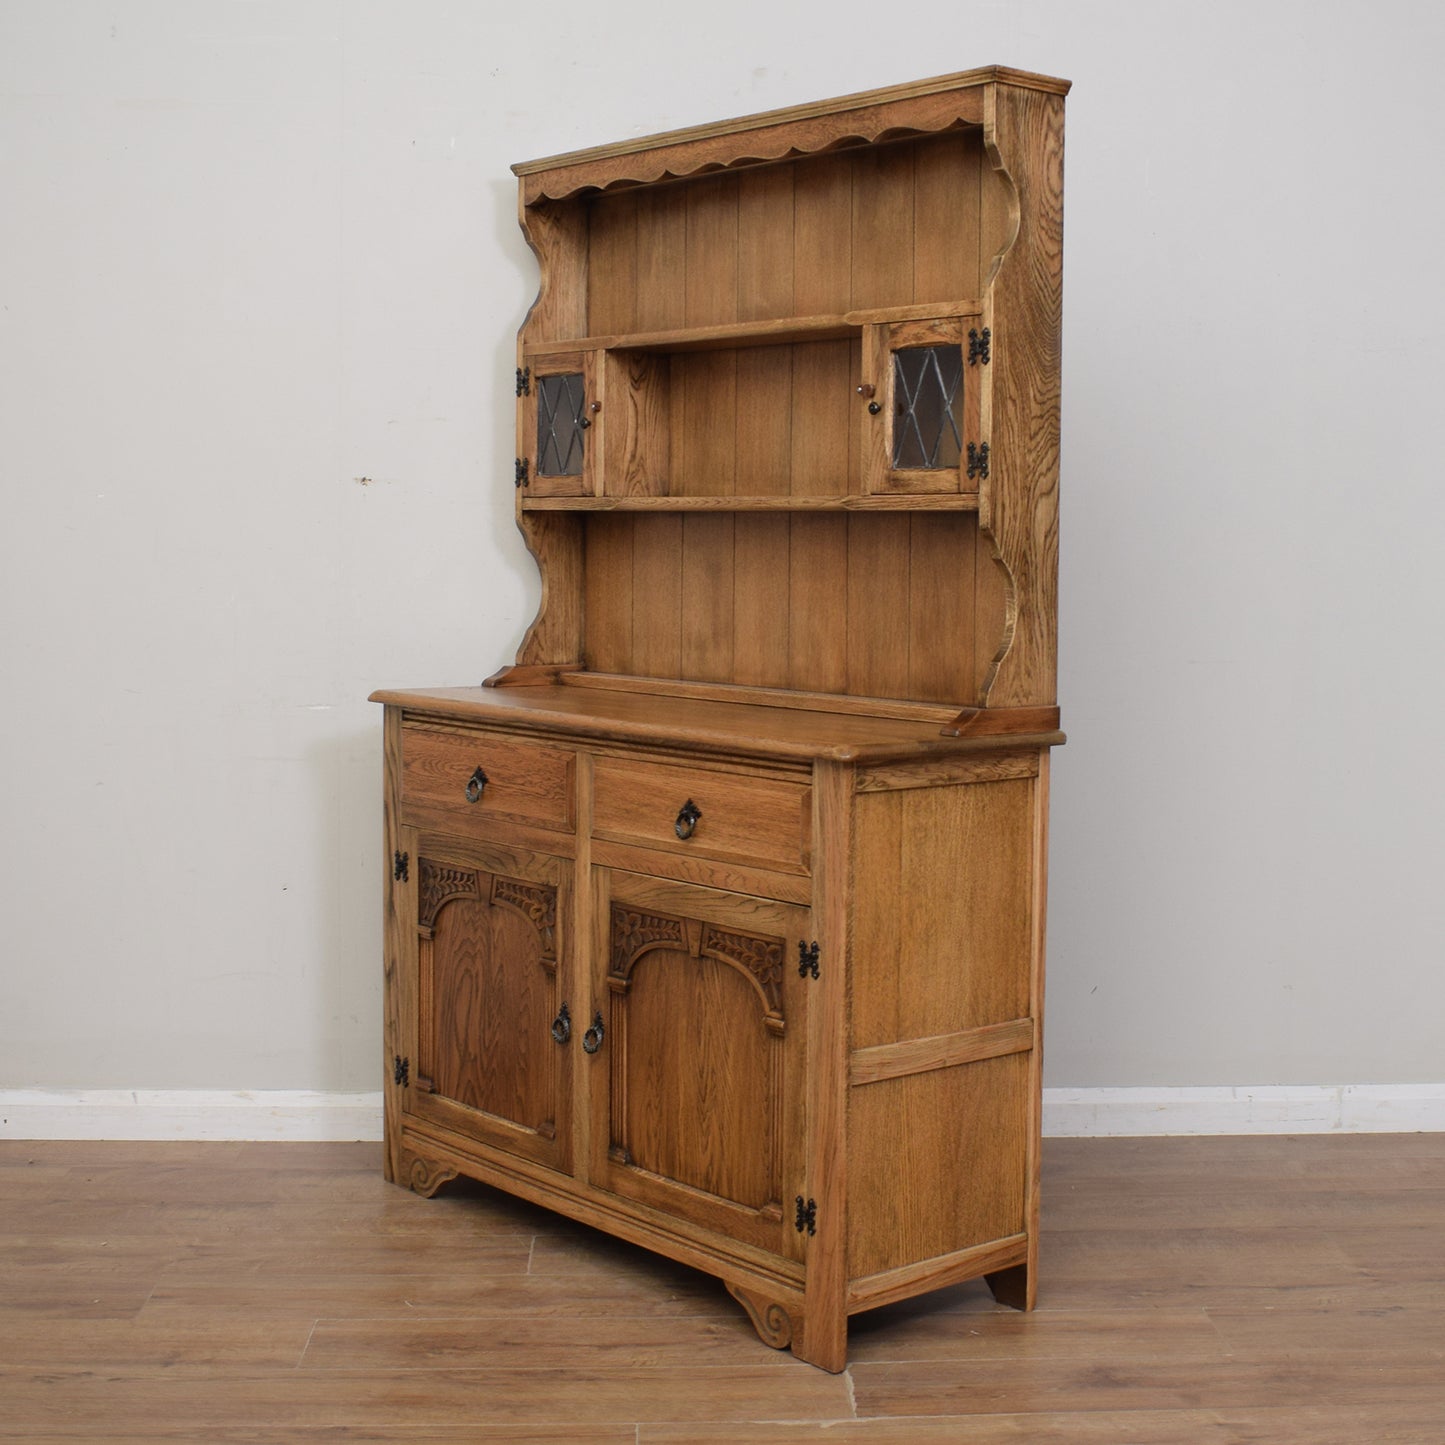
(979, 343)
(807, 959)
(400, 1070)
(805, 1215)
(977, 460)
(524, 381)
(401, 866)
(522, 471)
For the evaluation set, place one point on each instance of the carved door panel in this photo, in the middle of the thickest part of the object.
(489, 1036)
(699, 1110)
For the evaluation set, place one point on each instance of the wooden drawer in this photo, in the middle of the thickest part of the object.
(762, 821)
(526, 782)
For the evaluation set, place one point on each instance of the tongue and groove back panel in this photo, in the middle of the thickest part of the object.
(864, 604)
(914, 222)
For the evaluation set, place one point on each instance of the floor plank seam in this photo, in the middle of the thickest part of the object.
(852, 1393)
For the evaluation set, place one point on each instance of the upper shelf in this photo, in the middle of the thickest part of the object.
(922, 108)
(756, 333)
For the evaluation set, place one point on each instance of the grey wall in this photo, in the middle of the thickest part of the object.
(259, 278)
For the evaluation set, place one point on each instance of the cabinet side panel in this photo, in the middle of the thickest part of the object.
(400, 907)
(1018, 503)
(962, 916)
(936, 1163)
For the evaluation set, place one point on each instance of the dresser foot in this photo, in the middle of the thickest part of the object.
(422, 1175)
(772, 1322)
(1013, 1287)
(781, 1328)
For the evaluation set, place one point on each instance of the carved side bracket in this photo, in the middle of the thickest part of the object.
(422, 1175)
(770, 1319)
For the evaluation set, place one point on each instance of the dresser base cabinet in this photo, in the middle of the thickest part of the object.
(716, 919)
(822, 1090)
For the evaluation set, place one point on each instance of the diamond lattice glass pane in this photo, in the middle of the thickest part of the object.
(560, 404)
(928, 392)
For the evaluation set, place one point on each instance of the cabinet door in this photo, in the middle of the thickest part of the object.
(926, 380)
(703, 1051)
(557, 416)
(488, 1033)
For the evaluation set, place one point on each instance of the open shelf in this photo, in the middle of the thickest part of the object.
(779, 332)
(937, 502)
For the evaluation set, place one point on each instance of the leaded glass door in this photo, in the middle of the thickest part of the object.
(560, 425)
(924, 381)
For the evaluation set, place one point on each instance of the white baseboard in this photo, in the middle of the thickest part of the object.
(299, 1114)
(1265, 1109)
(304, 1115)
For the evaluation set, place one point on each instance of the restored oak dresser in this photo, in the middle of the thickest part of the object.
(716, 921)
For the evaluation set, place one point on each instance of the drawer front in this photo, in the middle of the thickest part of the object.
(742, 819)
(456, 780)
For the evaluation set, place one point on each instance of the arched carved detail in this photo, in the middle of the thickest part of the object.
(770, 1319)
(536, 903)
(759, 959)
(635, 932)
(438, 884)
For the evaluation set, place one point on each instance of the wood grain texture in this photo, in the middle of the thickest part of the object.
(742, 819)
(1018, 504)
(910, 1138)
(1175, 1333)
(946, 912)
(398, 907)
(741, 730)
(525, 780)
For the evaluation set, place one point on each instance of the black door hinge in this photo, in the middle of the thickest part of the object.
(522, 470)
(401, 866)
(977, 460)
(807, 959)
(979, 343)
(805, 1215)
(400, 1070)
(524, 381)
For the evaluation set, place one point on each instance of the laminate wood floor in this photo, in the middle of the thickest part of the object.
(1193, 1291)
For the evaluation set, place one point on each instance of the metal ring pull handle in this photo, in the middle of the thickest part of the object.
(688, 817)
(562, 1026)
(592, 1039)
(475, 784)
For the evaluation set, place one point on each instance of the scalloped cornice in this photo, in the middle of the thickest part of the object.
(922, 108)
